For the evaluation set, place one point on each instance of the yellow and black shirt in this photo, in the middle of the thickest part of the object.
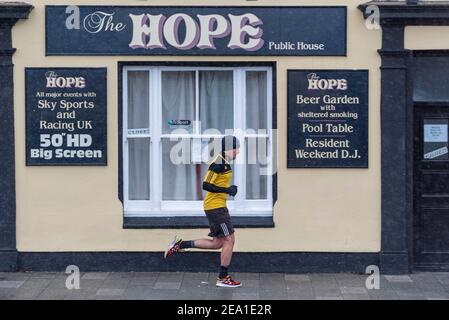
(219, 175)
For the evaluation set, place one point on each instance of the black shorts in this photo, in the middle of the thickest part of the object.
(219, 222)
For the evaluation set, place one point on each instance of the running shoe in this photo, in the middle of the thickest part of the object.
(228, 282)
(173, 247)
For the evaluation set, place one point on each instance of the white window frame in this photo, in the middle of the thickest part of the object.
(156, 207)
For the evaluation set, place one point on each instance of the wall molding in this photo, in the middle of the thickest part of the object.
(10, 13)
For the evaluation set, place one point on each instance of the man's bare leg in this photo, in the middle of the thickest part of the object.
(227, 249)
(216, 243)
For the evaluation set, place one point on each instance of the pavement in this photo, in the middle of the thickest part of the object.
(201, 286)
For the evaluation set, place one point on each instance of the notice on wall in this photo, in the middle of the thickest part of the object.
(436, 139)
(66, 116)
(327, 119)
(435, 133)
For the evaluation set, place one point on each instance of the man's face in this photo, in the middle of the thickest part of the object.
(233, 153)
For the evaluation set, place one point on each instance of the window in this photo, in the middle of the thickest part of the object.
(172, 119)
(430, 79)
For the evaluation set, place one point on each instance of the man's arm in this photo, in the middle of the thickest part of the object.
(214, 189)
(208, 183)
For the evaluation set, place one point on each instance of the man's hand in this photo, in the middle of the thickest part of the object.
(233, 190)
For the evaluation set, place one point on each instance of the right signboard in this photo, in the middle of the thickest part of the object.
(327, 119)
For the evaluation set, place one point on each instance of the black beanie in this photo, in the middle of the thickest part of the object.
(229, 143)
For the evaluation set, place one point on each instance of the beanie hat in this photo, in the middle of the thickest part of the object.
(229, 143)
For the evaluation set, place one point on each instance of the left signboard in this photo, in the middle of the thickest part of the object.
(66, 116)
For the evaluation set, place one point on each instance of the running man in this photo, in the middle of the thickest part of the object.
(217, 183)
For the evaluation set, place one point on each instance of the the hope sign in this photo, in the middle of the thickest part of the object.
(150, 30)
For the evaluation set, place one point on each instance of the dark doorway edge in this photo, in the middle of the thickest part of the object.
(397, 125)
(10, 13)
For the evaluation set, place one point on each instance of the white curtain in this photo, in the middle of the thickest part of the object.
(139, 169)
(256, 100)
(216, 100)
(138, 148)
(256, 179)
(256, 118)
(184, 181)
(138, 99)
(180, 180)
(178, 98)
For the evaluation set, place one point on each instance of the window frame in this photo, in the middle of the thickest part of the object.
(156, 206)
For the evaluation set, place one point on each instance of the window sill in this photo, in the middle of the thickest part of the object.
(192, 222)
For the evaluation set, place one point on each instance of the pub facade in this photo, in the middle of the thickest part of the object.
(110, 110)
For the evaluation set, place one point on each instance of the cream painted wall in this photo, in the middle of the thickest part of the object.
(426, 37)
(77, 208)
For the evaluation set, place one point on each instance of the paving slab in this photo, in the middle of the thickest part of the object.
(120, 275)
(254, 284)
(116, 283)
(273, 294)
(356, 297)
(136, 293)
(170, 277)
(52, 294)
(167, 285)
(91, 285)
(202, 276)
(240, 276)
(399, 278)
(8, 284)
(297, 277)
(300, 296)
(27, 293)
(80, 295)
(94, 276)
(382, 294)
(6, 293)
(329, 298)
(58, 282)
(353, 290)
(144, 281)
(110, 292)
(245, 296)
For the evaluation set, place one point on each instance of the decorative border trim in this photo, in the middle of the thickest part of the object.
(14, 11)
(403, 13)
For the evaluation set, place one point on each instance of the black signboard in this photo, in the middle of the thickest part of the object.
(66, 116)
(327, 119)
(205, 30)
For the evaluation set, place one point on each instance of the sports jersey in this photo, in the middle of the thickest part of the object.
(219, 174)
